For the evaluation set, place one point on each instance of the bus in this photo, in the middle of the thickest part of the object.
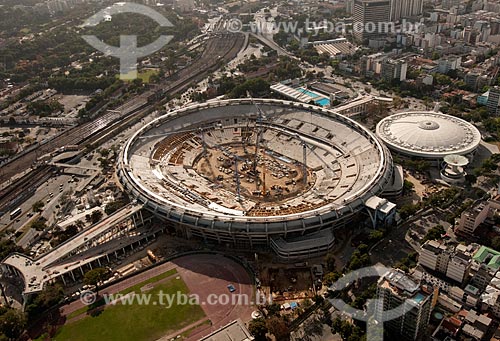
(15, 213)
(152, 256)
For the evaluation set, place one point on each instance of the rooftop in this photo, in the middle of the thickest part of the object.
(428, 134)
(401, 284)
(488, 256)
(234, 331)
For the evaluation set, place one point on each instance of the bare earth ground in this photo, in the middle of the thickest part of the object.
(210, 274)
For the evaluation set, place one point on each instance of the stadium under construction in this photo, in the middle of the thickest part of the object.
(257, 173)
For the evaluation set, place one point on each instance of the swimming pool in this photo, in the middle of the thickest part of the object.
(323, 102)
(307, 92)
(418, 298)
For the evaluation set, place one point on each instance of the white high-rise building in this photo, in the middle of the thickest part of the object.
(396, 288)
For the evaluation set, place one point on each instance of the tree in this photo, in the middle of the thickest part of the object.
(408, 210)
(376, 235)
(346, 330)
(94, 217)
(331, 277)
(495, 243)
(427, 102)
(434, 233)
(307, 303)
(63, 235)
(50, 296)
(258, 329)
(470, 179)
(277, 326)
(95, 276)
(38, 225)
(273, 309)
(408, 187)
(330, 261)
(38, 206)
(397, 102)
(12, 324)
(7, 246)
(104, 152)
(377, 108)
(112, 207)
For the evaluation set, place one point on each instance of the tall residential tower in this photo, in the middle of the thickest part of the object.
(396, 288)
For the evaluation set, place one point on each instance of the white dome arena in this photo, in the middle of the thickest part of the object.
(430, 135)
(198, 168)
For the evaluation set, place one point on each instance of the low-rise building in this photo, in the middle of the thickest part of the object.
(471, 218)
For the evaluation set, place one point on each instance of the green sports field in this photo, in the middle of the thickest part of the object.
(136, 322)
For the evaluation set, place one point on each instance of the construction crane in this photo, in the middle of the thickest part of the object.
(304, 161)
(260, 118)
(203, 142)
(235, 158)
(305, 145)
(237, 177)
(263, 176)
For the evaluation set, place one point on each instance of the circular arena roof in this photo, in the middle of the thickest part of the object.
(428, 134)
(164, 165)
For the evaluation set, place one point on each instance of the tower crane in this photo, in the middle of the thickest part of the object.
(305, 145)
(260, 118)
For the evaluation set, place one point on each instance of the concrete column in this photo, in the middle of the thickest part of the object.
(107, 257)
(81, 270)
(62, 277)
(72, 275)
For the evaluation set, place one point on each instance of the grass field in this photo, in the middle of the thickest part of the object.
(135, 288)
(145, 75)
(135, 322)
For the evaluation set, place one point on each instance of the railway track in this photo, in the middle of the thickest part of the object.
(220, 49)
(23, 188)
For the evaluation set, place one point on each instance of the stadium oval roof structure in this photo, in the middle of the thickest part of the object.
(428, 134)
(160, 167)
